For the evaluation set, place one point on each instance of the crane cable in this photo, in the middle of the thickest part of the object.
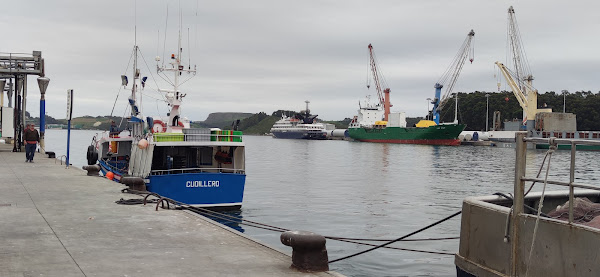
(450, 76)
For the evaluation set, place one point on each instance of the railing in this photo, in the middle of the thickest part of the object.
(60, 158)
(169, 137)
(197, 170)
(520, 162)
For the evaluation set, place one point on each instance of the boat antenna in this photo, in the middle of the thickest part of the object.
(165, 40)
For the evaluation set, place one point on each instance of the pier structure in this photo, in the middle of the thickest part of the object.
(14, 71)
(61, 222)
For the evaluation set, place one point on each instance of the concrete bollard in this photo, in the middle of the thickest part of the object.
(92, 170)
(308, 250)
(134, 183)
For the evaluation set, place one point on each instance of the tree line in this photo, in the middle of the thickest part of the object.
(472, 108)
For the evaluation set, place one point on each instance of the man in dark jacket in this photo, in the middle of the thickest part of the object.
(114, 130)
(31, 138)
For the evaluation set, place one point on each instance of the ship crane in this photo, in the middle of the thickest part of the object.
(521, 74)
(379, 80)
(527, 101)
(450, 77)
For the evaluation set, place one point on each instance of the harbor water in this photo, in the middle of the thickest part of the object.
(368, 190)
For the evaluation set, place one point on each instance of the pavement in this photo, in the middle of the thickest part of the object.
(61, 222)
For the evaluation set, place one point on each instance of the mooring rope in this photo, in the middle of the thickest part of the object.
(250, 223)
(540, 205)
(398, 239)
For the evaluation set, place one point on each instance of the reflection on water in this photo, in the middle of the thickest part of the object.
(231, 219)
(371, 190)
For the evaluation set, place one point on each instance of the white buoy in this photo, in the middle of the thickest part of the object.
(143, 144)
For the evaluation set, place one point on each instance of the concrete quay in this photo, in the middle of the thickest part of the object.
(60, 222)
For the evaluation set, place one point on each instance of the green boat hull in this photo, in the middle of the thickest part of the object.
(433, 135)
(568, 147)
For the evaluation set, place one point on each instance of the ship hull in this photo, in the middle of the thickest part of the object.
(224, 190)
(299, 135)
(433, 135)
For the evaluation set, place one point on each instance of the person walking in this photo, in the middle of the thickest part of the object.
(31, 138)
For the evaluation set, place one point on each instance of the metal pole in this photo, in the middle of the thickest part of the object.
(24, 101)
(571, 180)
(428, 102)
(487, 111)
(564, 102)
(519, 191)
(68, 140)
(69, 117)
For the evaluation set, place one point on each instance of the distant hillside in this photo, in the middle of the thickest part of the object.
(221, 120)
(258, 124)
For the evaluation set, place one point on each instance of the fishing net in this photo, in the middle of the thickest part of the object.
(585, 212)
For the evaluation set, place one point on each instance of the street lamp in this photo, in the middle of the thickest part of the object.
(564, 93)
(428, 102)
(43, 84)
(487, 110)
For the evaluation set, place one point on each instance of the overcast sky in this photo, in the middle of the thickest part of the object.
(263, 55)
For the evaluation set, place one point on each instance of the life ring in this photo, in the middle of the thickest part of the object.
(158, 126)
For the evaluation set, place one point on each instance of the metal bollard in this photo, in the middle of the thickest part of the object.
(134, 183)
(92, 170)
(308, 250)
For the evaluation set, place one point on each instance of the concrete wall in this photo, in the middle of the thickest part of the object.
(566, 122)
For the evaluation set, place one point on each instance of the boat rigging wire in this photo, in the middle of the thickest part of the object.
(228, 218)
(152, 75)
(121, 87)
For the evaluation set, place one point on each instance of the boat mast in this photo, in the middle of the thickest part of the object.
(174, 97)
(136, 118)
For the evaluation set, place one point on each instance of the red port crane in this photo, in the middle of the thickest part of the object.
(383, 95)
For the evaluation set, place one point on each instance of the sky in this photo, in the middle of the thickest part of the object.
(266, 55)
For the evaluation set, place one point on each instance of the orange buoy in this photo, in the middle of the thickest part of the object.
(110, 175)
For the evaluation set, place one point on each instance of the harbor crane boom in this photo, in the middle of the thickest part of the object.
(450, 77)
(521, 75)
(383, 95)
(528, 102)
(517, 54)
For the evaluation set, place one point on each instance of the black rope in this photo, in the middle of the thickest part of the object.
(362, 239)
(525, 205)
(229, 218)
(398, 239)
(400, 248)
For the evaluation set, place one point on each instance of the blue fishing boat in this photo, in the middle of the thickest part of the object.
(200, 167)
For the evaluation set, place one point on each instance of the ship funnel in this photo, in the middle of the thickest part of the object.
(43, 84)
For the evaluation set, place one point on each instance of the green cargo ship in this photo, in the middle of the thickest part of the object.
(432, 135)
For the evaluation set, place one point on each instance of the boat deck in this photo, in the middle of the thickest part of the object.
(60, 222)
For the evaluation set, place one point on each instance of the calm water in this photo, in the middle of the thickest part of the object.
(368, 190)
